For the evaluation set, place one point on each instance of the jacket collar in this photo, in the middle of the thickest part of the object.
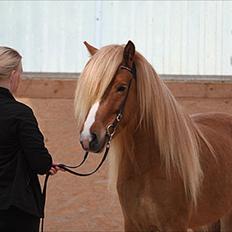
(5, 93)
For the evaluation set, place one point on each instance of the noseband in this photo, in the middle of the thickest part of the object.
(110, 131)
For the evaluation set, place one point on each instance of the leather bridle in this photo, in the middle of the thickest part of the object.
(110, 131)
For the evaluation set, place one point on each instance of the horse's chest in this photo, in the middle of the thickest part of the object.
(144, 213)
(148, 208)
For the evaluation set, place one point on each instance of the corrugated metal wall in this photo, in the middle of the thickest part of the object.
(177, 37)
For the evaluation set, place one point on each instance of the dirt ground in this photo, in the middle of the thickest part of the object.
(85, 204)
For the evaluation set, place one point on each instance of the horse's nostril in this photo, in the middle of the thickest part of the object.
(93, 136)
(94, 144)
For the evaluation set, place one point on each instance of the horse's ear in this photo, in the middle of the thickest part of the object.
(92, 50)
(128, 54)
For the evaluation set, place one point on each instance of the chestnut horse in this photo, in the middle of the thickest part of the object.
(173, 171)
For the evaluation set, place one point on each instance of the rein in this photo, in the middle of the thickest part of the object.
(110, 131)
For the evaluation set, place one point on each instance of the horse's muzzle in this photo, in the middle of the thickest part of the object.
(91, 143)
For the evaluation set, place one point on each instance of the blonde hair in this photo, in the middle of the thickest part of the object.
(177, 135)
(9, 60)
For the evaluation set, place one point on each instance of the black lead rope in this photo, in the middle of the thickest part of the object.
(68, 169)
(77, 166)
(109, 132)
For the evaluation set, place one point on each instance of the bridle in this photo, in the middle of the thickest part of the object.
(110, 131)
(111, 128)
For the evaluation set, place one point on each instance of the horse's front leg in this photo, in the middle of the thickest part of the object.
(173, 229)
(132, 227)
(171, 222)
(129, 226)
(179, 229)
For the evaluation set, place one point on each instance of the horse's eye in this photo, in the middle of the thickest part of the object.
(121, 88)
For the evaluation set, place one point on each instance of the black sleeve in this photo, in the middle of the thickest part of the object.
(32, 142)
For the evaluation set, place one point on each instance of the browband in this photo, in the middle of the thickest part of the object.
(131, 70)
(128, 69)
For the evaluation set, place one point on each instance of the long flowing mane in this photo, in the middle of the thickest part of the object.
(159, 113)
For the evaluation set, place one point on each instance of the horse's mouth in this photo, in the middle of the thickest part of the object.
(95, 148)
(100, 148)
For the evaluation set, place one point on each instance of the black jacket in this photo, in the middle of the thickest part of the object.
(22, 156)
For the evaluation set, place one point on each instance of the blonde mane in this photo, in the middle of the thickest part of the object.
(159, 113)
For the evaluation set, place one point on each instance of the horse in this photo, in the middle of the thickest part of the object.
(172, 170)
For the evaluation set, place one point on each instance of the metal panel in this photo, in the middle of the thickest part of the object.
(177, 37)
(226, 30)
(49, 34)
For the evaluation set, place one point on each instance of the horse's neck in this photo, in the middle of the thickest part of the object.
(145, 156)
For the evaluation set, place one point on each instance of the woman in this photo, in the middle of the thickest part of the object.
(22, 153)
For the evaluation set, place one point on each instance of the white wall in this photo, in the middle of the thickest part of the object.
(177, 37)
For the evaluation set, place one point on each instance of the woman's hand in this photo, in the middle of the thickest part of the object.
(54, 169)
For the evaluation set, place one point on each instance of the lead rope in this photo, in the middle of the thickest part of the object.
(110, 132)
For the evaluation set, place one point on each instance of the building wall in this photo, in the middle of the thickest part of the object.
(177, 37)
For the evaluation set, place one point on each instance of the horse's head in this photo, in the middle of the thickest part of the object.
(117, 99)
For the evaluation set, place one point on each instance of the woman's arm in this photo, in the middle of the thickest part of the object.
(32, 143)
